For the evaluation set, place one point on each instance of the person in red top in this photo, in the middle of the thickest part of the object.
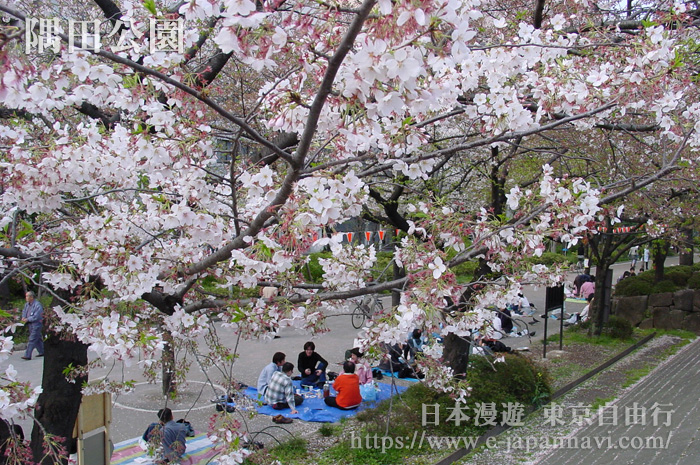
(348, 387)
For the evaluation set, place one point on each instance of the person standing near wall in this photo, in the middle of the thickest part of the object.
(645, 257)
(33, 316)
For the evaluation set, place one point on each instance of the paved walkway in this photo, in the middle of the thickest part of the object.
(656, 422)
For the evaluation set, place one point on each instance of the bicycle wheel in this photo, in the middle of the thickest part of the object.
(358, 317)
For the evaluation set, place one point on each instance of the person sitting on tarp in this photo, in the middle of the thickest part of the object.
(506, 321)
(312, 366)
(578, 282)
(280, 391)
(347, 384)
(583, 316)
(525, 308)
(393, 361)
(277, 361)
(488, 346)
(171, 434)
(414, 344)
(362, 369)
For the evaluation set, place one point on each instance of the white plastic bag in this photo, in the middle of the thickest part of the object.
(368, 392)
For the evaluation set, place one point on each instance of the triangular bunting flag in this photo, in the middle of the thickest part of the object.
(349, 237)
(368, 235)
(381, 235)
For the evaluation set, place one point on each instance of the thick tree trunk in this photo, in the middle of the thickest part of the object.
(660, 253)
(685, 256)
(603, 247)
(398, 273)
(57, 407)
(597, 309)
(456, 354)
(169, 384)
(498, 193)
(5, 294)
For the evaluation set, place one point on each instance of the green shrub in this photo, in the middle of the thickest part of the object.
(518, 379)
(549, 258)
(312, 270)
(664, 286)
(618, 328)
(646, 276)
(634, 285)
(465, 271)
(681, 269)
(678, 277)
(694, 281)
(383, 260)
(326, 430)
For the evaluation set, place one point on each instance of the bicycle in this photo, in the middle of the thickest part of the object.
(365, 309)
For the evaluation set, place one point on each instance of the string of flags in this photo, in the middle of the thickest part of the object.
(358, 236)
(378, 236)
(625, 229)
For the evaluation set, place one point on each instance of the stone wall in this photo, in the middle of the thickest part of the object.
(670, 310)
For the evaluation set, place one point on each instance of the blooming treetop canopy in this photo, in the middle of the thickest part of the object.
(108, 170)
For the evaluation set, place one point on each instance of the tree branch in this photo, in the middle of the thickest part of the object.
(538, 14)
(669, 168)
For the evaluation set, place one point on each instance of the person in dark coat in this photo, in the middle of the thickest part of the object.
(506, 321)
(312, 366)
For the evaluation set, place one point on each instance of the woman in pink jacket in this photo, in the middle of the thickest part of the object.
(362, 369)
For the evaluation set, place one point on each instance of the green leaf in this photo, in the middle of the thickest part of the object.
(26, 230)
(150, 5)
(68, 369)
(239, 315)
(144, 181)
(265, 250)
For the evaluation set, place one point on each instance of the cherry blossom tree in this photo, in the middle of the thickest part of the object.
(110, 186)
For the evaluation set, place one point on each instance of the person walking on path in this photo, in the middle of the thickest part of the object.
(645, 256)
(634, 255)
(33, 316)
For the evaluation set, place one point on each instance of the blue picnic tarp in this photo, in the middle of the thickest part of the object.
(314, 408)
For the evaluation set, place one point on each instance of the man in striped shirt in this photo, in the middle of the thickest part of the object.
(280, 390)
